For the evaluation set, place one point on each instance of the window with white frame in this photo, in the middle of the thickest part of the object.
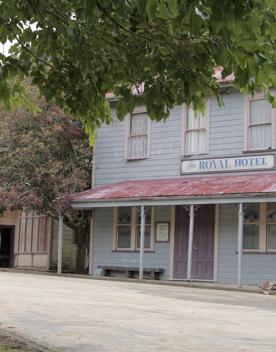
(260, 122)
(148, 229)
(196, 133)
(127, 228)
(259, 227)
(271, 227)
(123, 228)
(138, 136)
(251, 227)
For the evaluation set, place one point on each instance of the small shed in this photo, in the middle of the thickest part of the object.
(30, 241)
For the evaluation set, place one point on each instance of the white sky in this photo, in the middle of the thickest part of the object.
(4, 48)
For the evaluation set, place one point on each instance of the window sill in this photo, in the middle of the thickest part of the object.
(131, 251)
(193, 156)
(137, 159)
(252, 151)
(257, 252)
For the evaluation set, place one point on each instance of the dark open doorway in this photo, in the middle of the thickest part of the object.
(6, 246)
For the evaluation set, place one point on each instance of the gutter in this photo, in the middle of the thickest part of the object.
(234, 199)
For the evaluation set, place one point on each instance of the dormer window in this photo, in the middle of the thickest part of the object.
(260, 124)
(138, 136)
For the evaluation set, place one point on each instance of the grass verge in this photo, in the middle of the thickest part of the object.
(5, 349)
(10, 342)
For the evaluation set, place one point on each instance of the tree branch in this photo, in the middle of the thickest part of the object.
(30, 51)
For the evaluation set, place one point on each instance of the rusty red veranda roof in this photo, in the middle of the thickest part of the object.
(188, 186)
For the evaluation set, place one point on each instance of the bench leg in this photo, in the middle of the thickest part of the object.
(127, 273)
(107, 272)
(156, 276)
(131, 274)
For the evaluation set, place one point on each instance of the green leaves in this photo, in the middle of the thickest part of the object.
(89, 7)
(76, 51)
(150, 8)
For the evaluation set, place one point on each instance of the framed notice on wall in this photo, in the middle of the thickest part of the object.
(162, 231)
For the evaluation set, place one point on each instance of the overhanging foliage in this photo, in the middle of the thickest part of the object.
(76, 51)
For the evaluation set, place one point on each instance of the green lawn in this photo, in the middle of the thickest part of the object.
(5, 349)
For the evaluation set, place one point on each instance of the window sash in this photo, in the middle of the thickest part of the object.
(123, 214)
(264, 238)
(196, 133)
(138, 146)
(260, 111)
(196, 141)
(252, 227)
(251, 239)
(123, 238)
(147, 243)
(271, 237)
(138, 124)
(259, 135)
(138, 136)
(271, 227)
(132, 242)
(194, 121)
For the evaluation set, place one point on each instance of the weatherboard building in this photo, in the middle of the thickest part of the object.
(193, 198)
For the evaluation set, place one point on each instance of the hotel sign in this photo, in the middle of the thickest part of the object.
(239, 163)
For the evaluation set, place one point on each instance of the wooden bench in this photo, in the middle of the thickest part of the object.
(131, 271)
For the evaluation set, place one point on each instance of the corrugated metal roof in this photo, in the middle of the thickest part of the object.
(188, 186)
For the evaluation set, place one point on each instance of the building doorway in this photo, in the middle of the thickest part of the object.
(203, 244)
(6, 246)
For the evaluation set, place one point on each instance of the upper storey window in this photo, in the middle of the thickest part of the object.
(138, 136)
(260, 124)
(196, 133)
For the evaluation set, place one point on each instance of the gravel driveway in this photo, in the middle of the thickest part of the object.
(71, 314)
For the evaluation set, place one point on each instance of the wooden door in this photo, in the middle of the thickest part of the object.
(181, 242)
(203, 244)
(32, 241)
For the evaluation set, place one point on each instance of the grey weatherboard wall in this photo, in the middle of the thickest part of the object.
(227, 126)
(102, 248)
(225, 138)
(256, 268)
